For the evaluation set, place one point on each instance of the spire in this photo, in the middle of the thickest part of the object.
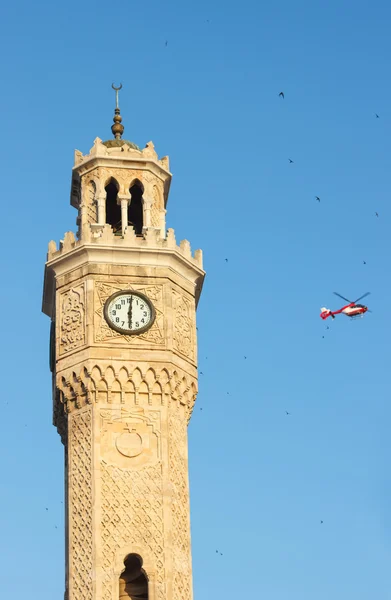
(117, 128)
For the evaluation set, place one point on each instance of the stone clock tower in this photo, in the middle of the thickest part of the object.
(121, 297)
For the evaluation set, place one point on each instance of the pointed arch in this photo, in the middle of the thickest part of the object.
(113, 210)
(133, 581)
(157, 394)
(135, 208)
(143, 394)
(129, 392)
(116, 392)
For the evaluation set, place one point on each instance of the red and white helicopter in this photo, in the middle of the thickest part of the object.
(350, 310)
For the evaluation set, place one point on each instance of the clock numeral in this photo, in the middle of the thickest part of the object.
(142, 320)
(117, 319)
(118, 306)
(144, 313)
(123, 323)
(122, 301)
(114, 312)
(137, 324)
(141, 306)
(128, 299)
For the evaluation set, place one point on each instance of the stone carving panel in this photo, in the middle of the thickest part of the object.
(183, 332)
(156, 207)
(72, 319)
(132, 515)
(154, 335)
(80, 504)
(91, 203)
(130, 439)
(182, 580)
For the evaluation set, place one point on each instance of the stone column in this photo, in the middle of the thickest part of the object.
(101, 202)
(124, 201)
(147, 204)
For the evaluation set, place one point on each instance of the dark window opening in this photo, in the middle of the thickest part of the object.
(133, 584)
(113, 210)
(135, 209)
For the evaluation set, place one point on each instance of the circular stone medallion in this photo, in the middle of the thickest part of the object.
(129, 444)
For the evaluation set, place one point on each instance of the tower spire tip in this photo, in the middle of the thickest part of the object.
(117, 128)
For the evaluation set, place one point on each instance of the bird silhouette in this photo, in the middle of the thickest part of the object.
(166, 44)
(46, 509)
(364, 263)
(201, 373)
(226, 259)
(287, 413)
(245, 358)
(281, 95)
(322, 337)
(317, 198)
(327, 327)
(377, 116)
(377, 214)
(321, 522)
(290, 160)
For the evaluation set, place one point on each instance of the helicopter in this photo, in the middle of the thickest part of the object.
(352, 309)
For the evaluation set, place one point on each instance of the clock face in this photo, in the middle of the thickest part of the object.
(129, 312)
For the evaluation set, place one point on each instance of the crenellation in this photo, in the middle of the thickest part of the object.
(103, 235)
(124, 152)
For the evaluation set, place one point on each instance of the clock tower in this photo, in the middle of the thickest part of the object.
(122, 296)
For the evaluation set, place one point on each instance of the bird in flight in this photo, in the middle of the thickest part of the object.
(364, 263)
(287, 413)
(226, 259)
(245, 358)
(321, 522)
(317, 198)
(290, 160)
(166, 44)
(377, 116)
(201, 373)
(377, 214)
(281, 95)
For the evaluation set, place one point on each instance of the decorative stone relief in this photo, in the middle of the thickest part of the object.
(80, 503)
(102, 331)
(183, 333)
(130, 439)
(91, 203)
(180, 510)
(127, 387)
(72, 319)
(132, 515)
(156, 206)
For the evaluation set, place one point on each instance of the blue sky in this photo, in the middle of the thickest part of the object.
(261, 480)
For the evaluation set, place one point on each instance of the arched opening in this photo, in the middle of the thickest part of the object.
(113, 210)
(133, 584)
(135, 209)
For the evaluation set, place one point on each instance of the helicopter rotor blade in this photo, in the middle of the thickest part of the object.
(343, 297)
(361, 297)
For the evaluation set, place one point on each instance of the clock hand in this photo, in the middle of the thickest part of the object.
(130, 312)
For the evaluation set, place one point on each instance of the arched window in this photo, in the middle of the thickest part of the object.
(135, 210)
(133, 584)
(113, 210)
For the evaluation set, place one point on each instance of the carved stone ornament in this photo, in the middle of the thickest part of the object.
(154, 335)
(183, 325)
(130, 439)
(72, 319)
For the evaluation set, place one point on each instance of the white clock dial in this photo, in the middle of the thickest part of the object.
(129, 312)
